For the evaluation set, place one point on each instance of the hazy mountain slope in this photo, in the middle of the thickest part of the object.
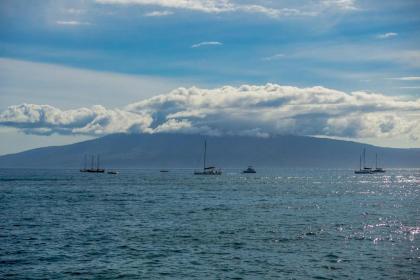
(180, 150)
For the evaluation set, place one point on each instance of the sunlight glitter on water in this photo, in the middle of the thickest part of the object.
(276, 224)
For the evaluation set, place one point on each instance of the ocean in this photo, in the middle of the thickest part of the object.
(143, 224)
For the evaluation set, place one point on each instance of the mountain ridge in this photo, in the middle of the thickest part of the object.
(185, 150)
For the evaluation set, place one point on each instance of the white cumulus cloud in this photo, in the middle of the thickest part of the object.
(97, 120)
(245, 110)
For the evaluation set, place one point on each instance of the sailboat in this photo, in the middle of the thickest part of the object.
(92, 168)
(377, 169)
(207, 170)
(365, 170)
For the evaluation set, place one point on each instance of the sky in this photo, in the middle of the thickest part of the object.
(76, 70)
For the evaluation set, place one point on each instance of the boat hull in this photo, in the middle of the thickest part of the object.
(94, 170)
(362, 172)
(378, 171)
(208, 173)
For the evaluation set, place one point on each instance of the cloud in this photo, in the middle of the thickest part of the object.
(355, 52)
(214, 6)
(72, 22)
(387, 35)
(46, 120)
(406, 78)
(273, 57)
(341, 4)
(159, 14)
(413, 87)
(211, 43)
(246, 110)
(75, 11)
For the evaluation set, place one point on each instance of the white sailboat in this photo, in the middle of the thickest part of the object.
(377, 169)
(208, 170)
(365, 170)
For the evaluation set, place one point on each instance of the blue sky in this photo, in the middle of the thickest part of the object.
(70, 54)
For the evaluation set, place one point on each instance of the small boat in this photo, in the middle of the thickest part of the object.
(364, 170)
(250, 169)
(208, 170)
(378, 169)
(163, 171)
(113, 172)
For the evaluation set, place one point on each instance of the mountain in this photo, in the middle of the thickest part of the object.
(182, 150)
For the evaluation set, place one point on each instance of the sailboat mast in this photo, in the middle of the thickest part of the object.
(97, 162)
(85, 162)
(205, 153)
(360, 162)
(364, 157)
(92, 162)
(376, 161)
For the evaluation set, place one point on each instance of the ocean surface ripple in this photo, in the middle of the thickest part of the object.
(276, 224)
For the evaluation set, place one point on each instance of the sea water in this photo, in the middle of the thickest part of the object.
(143, 224)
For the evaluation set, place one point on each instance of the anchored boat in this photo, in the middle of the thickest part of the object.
(378, 169)
(92, 168)
(250, 169)
(364, 170)
(208, 170)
